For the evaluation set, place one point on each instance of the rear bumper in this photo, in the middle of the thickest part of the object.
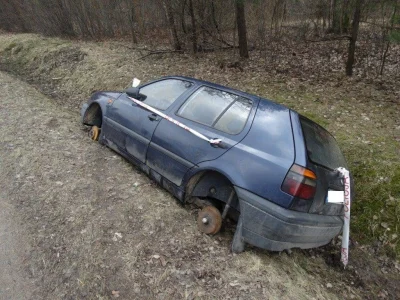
(269, 226)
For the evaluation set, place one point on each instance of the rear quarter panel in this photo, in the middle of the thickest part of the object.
(260, 162)
(300, 148)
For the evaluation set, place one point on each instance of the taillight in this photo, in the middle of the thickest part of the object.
(300, 182)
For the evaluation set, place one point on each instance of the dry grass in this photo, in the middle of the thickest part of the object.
(361, 113)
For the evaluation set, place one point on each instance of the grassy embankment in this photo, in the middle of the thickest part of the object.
(364, 118)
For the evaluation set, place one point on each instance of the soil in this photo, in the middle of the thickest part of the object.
(80, 222)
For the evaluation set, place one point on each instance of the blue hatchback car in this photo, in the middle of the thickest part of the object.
(271, 172)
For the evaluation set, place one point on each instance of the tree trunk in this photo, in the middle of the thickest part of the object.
(194, 32)
(353, 40)
(214, 18)
(384, 55)
(183, 24)
(339, 15)
(171, 22)
(335, 17)
(345, 18)
(201, 12)
(132, 23)
(241, 27)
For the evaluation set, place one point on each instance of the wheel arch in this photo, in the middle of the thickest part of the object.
(93, 115)
(210, 183)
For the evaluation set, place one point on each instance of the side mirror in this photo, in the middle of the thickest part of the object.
(133, 92)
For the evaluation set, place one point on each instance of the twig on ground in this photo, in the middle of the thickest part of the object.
(153, 52)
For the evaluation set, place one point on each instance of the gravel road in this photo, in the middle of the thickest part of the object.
(78, 222)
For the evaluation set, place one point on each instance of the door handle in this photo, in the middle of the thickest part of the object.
(220, 145)
(153, 117)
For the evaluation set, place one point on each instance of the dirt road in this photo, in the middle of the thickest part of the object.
(78, 221)
(13, 248)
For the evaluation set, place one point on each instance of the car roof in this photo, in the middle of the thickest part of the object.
(225, 88)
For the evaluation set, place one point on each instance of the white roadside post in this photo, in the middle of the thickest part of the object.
(346, 226)
(135, 82)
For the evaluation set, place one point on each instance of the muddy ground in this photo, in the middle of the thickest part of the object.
(88, 225)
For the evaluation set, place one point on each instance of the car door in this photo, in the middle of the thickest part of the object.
(132, 126)
(214, 113)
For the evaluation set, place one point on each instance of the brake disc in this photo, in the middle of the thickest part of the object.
(209, 220)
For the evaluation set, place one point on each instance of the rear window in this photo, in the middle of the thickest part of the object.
(322, 147)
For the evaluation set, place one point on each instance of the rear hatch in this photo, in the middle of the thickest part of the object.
(324, 156)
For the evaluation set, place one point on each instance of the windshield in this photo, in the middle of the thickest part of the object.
(322, 147)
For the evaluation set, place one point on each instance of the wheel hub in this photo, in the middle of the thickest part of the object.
(209, 220)
(94, 133)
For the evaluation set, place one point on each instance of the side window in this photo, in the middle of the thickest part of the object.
(215, 108)
(234, 119)
(162, 94)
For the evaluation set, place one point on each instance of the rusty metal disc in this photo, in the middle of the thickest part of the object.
(209, 220)
(94, 133)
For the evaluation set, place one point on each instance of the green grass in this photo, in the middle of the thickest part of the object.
(376, 208)
(316, 118)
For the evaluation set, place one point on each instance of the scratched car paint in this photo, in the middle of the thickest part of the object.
(233, 154)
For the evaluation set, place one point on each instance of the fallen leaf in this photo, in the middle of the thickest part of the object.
(115, 294)
(163, 261)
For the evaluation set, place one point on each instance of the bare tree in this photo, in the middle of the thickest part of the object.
(172, 26)
(194, 32)
(354, 34)
(387, 34)
(241, 28)
(133, 22)
(340, 16)
(278, 15)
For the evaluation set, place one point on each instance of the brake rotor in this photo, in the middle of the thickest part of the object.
(209, 220)
(94, 133)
